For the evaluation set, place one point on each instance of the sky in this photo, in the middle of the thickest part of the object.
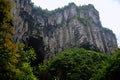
(109, 11)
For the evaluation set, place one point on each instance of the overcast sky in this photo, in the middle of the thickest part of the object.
(109, 10)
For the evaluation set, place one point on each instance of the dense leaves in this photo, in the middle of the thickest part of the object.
(81, 64)
(14, 60)
(73, 64)
(7, 47)
(110, 70)
(84, 21)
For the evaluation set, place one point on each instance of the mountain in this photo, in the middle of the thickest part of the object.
(50, 32)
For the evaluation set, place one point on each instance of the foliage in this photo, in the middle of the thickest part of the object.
(110, 70)
(6, 29)
(41, 71)
(39, 11)
(8, 48)
(26, 55)
(83, 20)
(62, 8)
(14, 60)
(80, 64)
(45, 12)
(106, 30)
(26, 73)
(85, 7)
(23, 65)
(73, 64)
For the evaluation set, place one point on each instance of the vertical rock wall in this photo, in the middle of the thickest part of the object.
(55, 31)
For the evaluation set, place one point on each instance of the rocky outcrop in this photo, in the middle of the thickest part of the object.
(50, 32)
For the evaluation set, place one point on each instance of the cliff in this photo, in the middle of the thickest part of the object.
(50, 32)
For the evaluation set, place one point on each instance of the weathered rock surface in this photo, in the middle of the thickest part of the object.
(70, 27)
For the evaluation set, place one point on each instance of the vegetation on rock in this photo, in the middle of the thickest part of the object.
(106, 30)
(84, 21)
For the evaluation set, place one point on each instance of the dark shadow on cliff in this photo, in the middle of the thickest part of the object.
(38, 45)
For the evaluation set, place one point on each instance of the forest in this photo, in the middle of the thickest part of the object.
(18, 62)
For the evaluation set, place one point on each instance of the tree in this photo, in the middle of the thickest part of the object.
(7, 47)
(110, 69)
(72, 64)
(14, 61)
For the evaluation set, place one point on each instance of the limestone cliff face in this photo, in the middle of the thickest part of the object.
(70, 27)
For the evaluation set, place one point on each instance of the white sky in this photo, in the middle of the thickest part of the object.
(109, 10)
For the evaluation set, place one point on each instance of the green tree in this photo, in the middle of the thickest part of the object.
(24, 61)
(14, 61)
(26, 72)
(110, 69)
(7, 47)
(72, 64)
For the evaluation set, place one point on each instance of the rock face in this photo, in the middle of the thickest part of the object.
(50, 32)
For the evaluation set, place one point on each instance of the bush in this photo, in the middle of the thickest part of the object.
(73, 64)
(110, 69)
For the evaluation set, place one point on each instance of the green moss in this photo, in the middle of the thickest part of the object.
(84, 21)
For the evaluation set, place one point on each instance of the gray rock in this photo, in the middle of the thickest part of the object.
(70, 27)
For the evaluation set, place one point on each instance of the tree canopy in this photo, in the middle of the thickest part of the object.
(73, 64)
